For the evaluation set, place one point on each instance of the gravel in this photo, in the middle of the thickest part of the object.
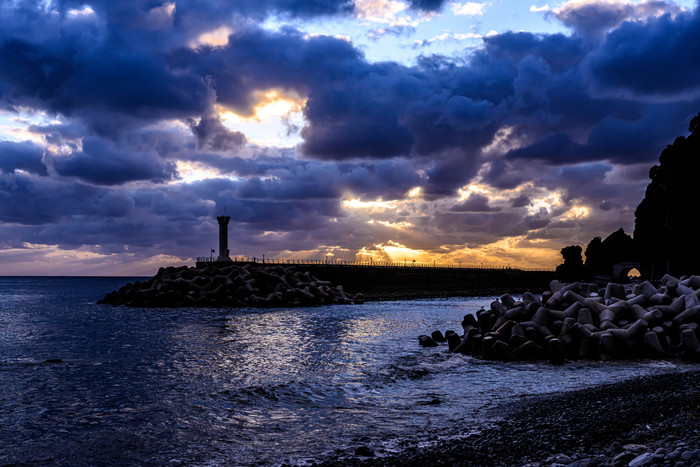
(651, 420)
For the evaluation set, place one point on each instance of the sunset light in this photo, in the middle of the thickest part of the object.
(275, 121)
(348, 124)
(349, 232)
(372, 206)
(215, 38)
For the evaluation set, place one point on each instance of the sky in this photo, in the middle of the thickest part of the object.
(486, 132)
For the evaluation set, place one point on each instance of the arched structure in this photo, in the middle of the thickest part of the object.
(621, 270)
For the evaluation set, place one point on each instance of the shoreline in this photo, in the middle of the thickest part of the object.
(648, 420)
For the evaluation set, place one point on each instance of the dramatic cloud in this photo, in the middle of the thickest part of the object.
(593, 17)
(650, 60)
(22, 156)
(213, 135)
(474, 203)
(126, 126)
(102, 162)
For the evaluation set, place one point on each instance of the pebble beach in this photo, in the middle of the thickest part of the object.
(652, 420)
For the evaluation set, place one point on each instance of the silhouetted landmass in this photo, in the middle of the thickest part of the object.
(665, 221)
(601, 256)
(573, 269)
(665, 232)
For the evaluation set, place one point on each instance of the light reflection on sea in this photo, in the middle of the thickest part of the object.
(243, 387)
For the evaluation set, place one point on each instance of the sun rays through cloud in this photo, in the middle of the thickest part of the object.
(397, 130)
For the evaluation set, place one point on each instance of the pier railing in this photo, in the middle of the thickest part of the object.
(378, 264)
(207, 259)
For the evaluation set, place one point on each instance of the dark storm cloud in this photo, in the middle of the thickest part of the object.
(176, 217)
(375, 120)
(617, 140)
(264, 8)
(211, 134)
(354, 109)
(479, 228)
(536, 221)
(103, 162)
(585, 173)
(106, 85)
(446, 175)
(23, 156)
(427, 5)
(32, 200)
(595, 18)
(504, 174)
(566, 111)
(60, 133)
(520, 201)
(474, 203)
(255, 188)
(656, 58)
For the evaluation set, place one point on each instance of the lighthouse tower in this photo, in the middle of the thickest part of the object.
(223, 238)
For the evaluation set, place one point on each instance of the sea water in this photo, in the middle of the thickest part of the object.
(86, 384)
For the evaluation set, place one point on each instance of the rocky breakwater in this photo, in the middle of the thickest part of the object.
(252, 285)
(583, 321)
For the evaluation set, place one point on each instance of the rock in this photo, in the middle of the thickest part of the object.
(576, 322)
(644, 459)
(635, 447)
(438, 337)
(364, 451)
(255, 285)
(623, 457)
(559, 459)
(427, 341)
(586, 462)
(453, 339)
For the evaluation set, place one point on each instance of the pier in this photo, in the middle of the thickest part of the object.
(379, 280)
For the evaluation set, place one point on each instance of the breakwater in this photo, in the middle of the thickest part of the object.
(397, 282)
(264, 285)
(581, 320)
(225, 284)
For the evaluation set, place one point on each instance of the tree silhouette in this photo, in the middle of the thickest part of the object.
(573, 268)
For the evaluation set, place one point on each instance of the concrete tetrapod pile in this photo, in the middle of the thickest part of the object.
(252, 285)
(583, 321)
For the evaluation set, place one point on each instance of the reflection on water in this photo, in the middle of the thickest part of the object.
(213, 386)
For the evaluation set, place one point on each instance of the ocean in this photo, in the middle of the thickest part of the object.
(87, 384)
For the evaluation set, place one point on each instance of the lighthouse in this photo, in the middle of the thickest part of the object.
(223, 238)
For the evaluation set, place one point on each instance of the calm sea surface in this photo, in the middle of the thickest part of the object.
(243, 386)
